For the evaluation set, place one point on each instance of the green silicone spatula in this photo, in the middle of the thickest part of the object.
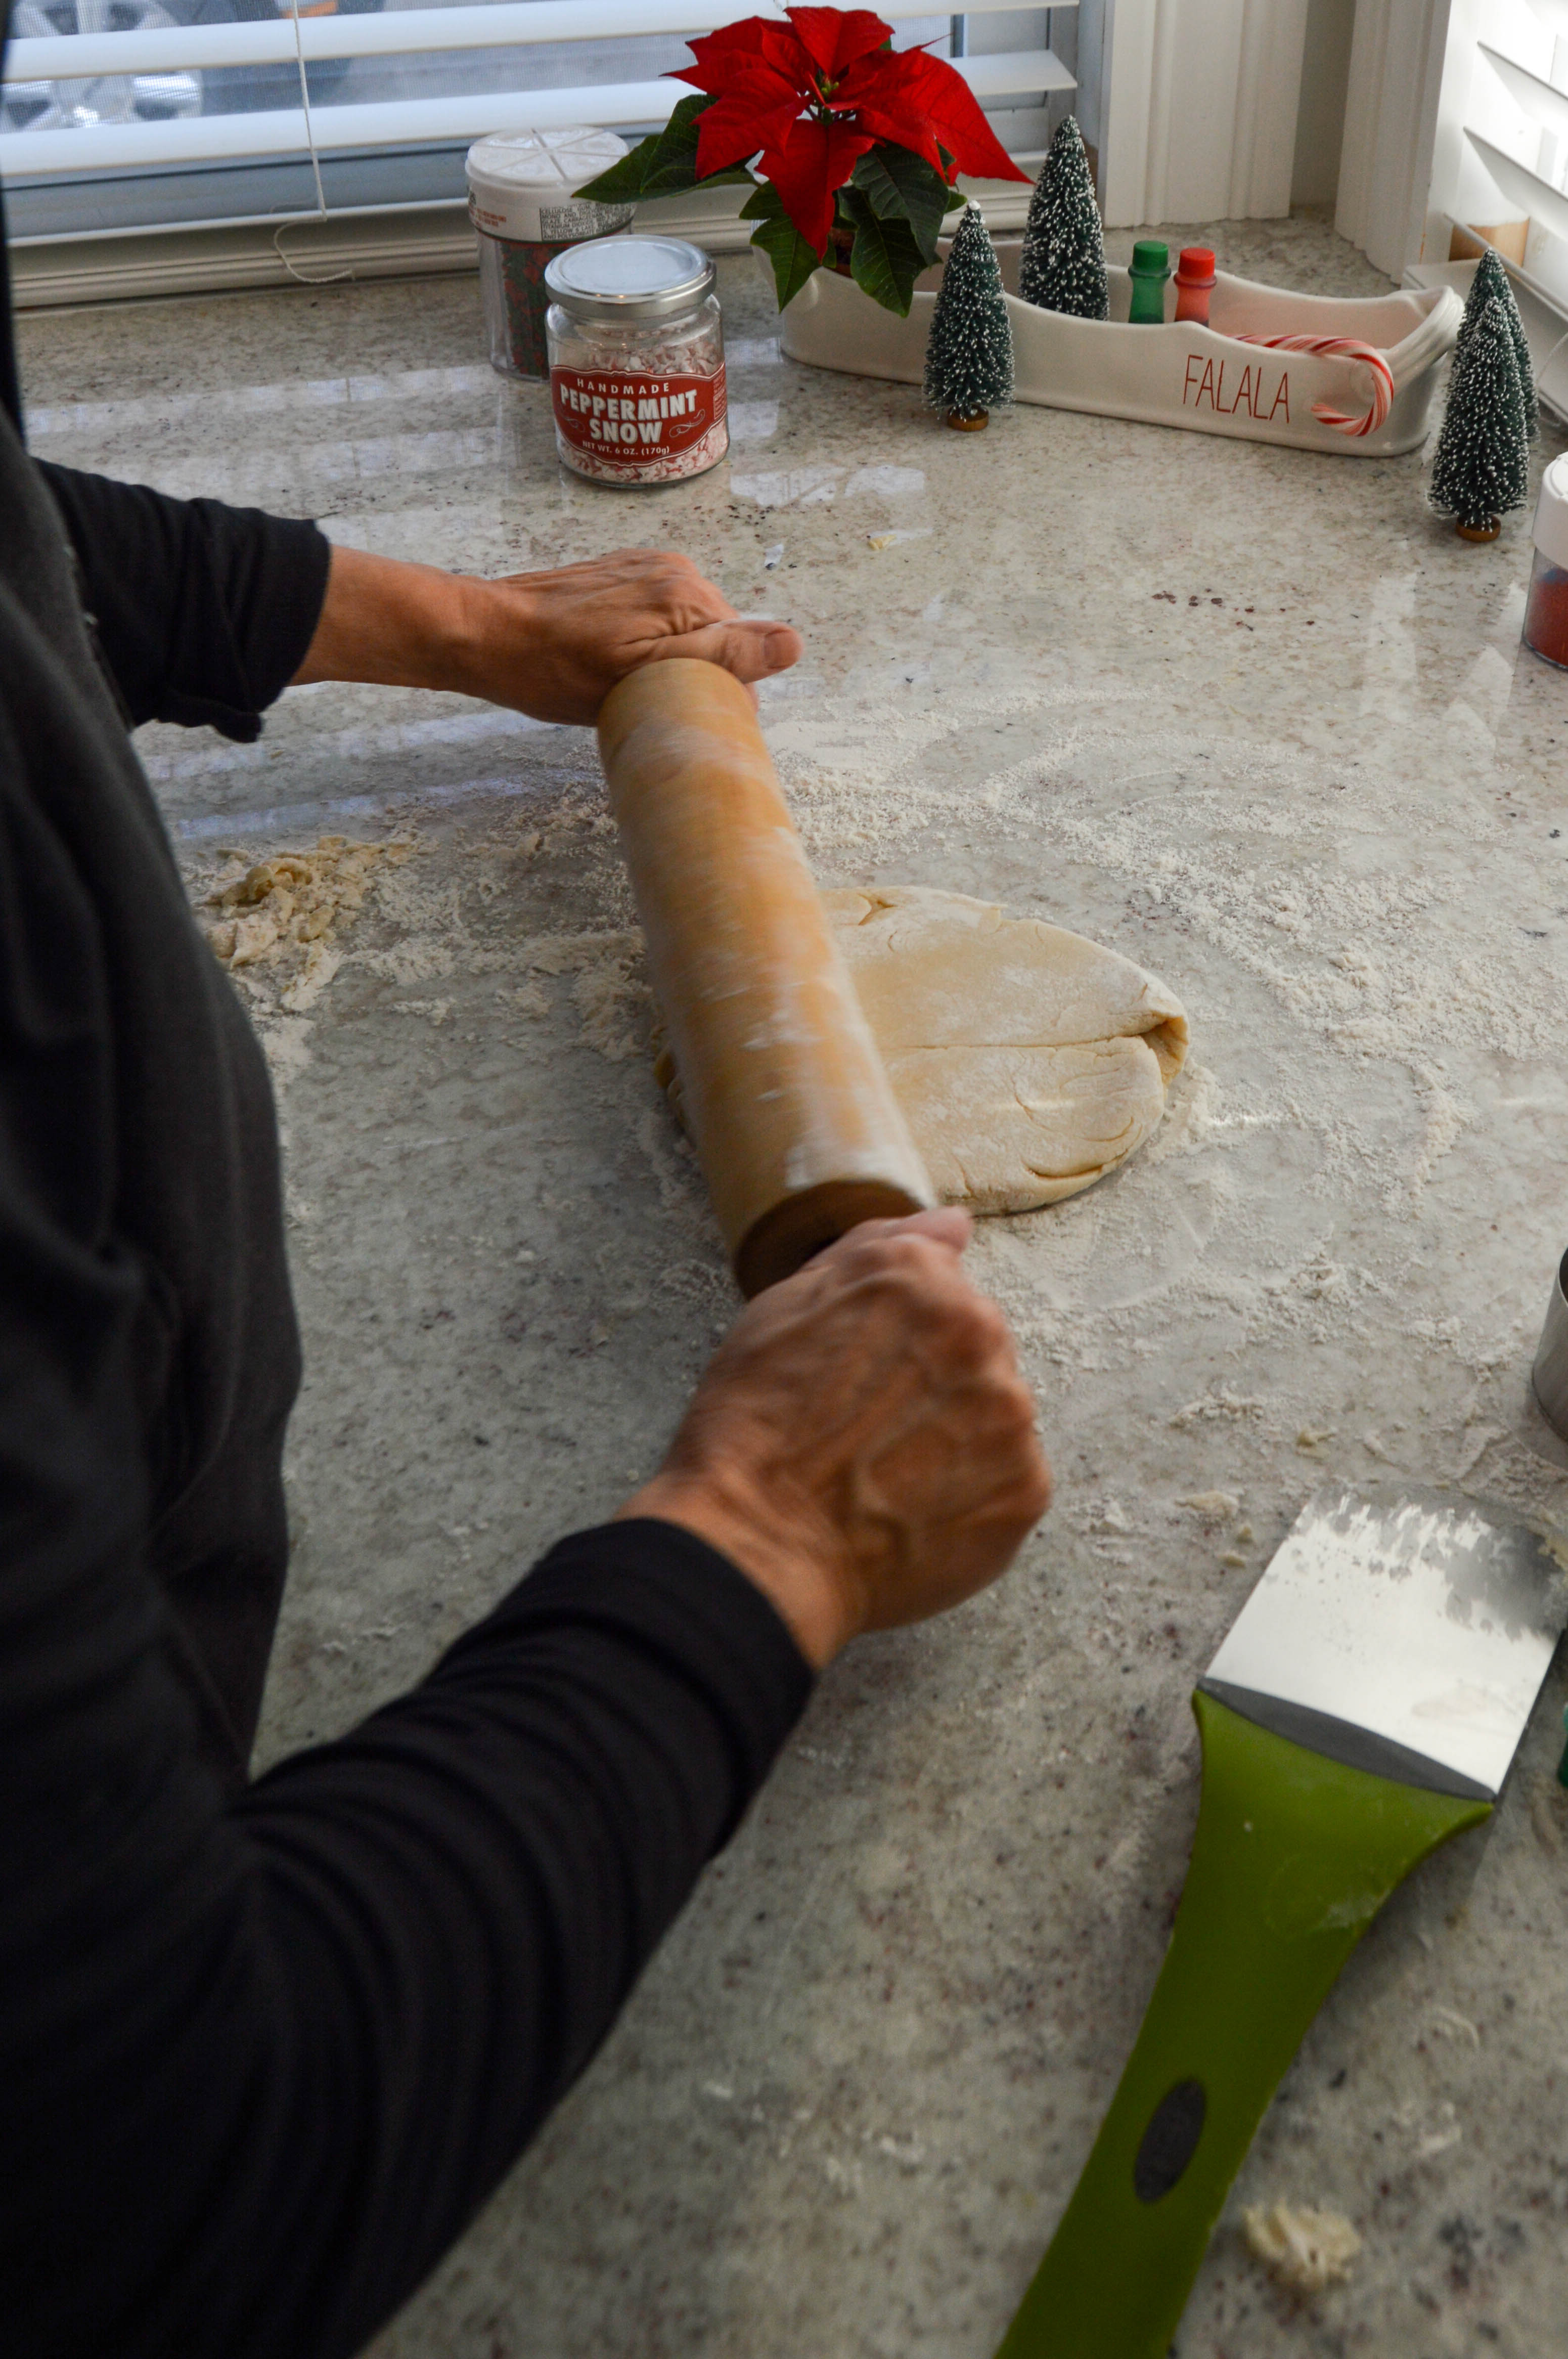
(1364, 1708)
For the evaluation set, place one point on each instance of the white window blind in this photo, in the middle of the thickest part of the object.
(113, 115)
(1500, 166)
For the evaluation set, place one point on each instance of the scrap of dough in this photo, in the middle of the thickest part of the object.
(1303, 2251)
(1028, 1062)
(292, 900)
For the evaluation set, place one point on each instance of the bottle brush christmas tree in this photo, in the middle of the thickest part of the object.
(1063, 264)
(1482, 466)
(968, 354)
(1492, 283)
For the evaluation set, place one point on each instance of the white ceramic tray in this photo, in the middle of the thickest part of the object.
(1204, 378)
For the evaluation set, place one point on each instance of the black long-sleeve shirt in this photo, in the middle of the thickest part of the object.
(264, 2048)
(202, 612)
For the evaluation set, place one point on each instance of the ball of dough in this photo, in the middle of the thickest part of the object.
(1028, 1060)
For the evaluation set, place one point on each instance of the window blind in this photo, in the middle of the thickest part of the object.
(1500, 166)
(115, 114)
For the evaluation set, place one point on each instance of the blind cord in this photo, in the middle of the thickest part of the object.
(327, 278)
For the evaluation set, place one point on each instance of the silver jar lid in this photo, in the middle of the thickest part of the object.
(630, 278)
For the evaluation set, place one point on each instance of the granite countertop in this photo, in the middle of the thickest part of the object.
(1255, 718)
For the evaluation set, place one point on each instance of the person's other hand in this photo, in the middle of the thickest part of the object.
(862, 1444)
(552, 645)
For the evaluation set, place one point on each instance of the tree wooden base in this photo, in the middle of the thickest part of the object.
(1488, 531)
(976, 425)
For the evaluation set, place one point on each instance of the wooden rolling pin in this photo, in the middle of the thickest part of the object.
(796, 1127)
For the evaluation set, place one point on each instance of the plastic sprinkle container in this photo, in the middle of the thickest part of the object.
(521, 202)
(1148, 270)
(1546, 609)
(636, 361)
(1195, 283)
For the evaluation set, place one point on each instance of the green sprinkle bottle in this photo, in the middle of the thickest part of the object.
(1149, 270)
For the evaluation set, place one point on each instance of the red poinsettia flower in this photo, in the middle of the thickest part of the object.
(814, 94)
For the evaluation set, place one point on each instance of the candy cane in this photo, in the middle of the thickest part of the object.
(1346, 348)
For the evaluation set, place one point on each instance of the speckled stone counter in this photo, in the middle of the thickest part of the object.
(1255, 718)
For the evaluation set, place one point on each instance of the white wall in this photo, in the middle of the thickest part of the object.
(1198, 108)
(1390, 127)
(1320, 123)
(1213, 110)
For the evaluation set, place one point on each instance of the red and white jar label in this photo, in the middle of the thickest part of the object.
(635, 427)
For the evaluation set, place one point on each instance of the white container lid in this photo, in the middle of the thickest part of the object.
(1550, 531)
(520, 184)
(636, 278)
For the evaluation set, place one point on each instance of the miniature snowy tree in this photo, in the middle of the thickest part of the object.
(968, 354)
(1492, 283)
(1062, 265)
(1482, 466)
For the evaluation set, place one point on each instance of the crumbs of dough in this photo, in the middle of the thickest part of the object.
(1212, 1503)
(1304, 2250)
(288, 905)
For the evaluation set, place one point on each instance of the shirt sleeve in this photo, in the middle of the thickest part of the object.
(261, 2059)
(203, 612)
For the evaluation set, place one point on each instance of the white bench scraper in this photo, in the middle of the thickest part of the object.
(1366, 1706)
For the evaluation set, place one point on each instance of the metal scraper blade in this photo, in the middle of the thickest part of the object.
(1406, 1634)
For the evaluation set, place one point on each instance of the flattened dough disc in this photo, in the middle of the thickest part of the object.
(1028, 1060)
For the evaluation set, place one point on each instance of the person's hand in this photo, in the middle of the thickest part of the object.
(862, 1444)
(552, 645)
(555, 643)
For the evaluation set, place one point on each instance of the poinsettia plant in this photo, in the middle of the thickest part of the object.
(852, 148)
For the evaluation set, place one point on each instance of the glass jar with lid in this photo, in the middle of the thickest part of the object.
(1546, 609)
(636, 360)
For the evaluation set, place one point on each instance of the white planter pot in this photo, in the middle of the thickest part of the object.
(1206, 379)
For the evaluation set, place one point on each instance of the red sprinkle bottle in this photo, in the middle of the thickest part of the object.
(1195, 283)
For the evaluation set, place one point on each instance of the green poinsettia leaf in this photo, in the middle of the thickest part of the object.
(905, 186)
(793, 259)
(622, 183)
(669, 180)
(763, 205)
(886, 259)
(677, 143)
(661, 164)
(886, 262)
(674, 164)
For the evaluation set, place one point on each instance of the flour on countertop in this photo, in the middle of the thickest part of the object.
(1379, 1057)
